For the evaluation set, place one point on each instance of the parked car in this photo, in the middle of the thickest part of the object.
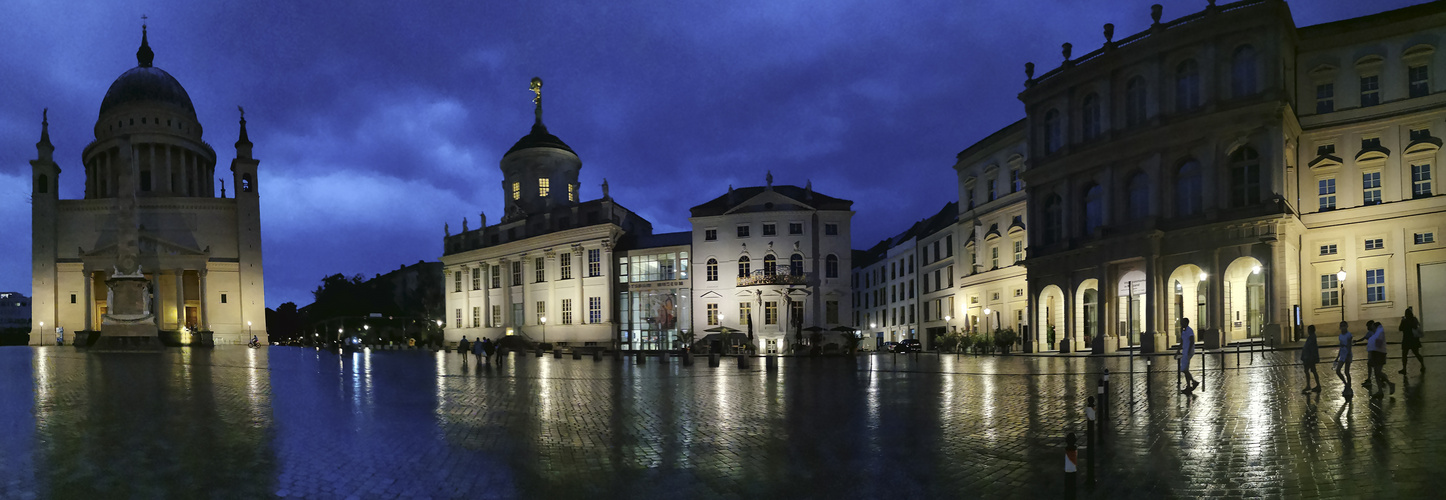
(909, 345)
(888, 346)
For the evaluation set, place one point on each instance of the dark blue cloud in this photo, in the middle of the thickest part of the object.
(377, 122)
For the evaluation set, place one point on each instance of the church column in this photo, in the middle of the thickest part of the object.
(180, 298)
(89, 304)
(201, 304)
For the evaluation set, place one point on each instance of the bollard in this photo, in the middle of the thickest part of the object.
(597, 355)
(663, 357)
(538, 351)
(557, 353)
(742, 361)
(576, 354)
(618, 354)
(1132, 378)
(1105, 405)
(1148, 363)
(1100, 392)
(1071, 457)
(1090, 440)
(640, 357)
(771, 363)
(713, 361)
(1237, 354)
(687, 358)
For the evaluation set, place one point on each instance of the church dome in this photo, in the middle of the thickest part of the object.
(146, 84)
(150, 85)
(539, 138)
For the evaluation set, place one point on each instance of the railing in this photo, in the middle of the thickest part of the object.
(782, 276)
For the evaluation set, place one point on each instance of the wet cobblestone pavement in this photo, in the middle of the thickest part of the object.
(295, 422)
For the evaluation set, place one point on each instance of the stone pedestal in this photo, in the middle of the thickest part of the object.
(129, 324)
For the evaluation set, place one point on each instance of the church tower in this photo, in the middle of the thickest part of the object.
(248, 232)
(539, 173)
(45, 180)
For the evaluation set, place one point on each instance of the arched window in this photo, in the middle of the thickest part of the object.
(1242, 72)
(1187, 86)
(1053, 215)
(1244, 177)
(795, 265)
(1094, 213)
(42, 184)
(831, 266)
(1187, 189)
(770, 265)
(1135, 102)
(712, 269)
(1053, 138)
(1090, 117)
(1138, 199)
(743, 270)
(246, 183)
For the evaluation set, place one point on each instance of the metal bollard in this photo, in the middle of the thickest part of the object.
(742, 361)
(556, 353)
(538, 351)
(1132, 378)
(663, 357)
(687, 358)
(771, 363)
(576, 354)
(1105, 415)
(640, 357)
(1090, 440)
(597, 355)
(1148, 363)
(713, 360)
(1100, 393)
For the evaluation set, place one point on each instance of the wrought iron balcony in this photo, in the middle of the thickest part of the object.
(780, 277)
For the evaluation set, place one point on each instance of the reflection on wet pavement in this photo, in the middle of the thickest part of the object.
(294, 422)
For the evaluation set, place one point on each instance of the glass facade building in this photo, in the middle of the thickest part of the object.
(654, 298)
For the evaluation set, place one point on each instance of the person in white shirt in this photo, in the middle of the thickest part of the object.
(1187, 350)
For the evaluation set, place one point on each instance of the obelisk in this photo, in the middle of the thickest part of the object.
(128, 322)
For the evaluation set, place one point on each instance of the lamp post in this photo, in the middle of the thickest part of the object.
(724, 344)
(988, 334)
(872, 326)
(946, 324)
(543, 320)
(1341, 282)
(248, 331)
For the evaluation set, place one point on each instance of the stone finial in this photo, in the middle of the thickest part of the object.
(482, 220)
(144, 55)
(769, 178)
(1066, 49)
(446, 229)
(605, 189)
(44, 148)
(808, 190)
(464, 224)
(1109, 33)
(1156, 11)
(1029, 71)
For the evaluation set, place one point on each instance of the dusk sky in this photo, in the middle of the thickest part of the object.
(378, 122)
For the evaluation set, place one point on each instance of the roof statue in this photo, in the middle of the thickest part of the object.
(536, 88)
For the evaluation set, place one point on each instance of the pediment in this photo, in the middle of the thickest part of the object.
(1373, 153)
(1426, 144)
(1324, 162)
(151, 245)
(770, 201)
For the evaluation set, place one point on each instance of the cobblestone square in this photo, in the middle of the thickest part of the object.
(293, 422)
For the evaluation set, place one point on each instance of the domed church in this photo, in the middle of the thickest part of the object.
(154, 252)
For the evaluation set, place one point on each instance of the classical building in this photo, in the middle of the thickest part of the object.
(14, 312)
(776, 258)
(545, 271)
(992, 293)
(1228, 167)
(904, 286)
(199, 253)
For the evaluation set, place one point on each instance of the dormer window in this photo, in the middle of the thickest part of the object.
(1325, 150)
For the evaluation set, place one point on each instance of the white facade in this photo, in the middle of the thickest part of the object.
(777, 254)
(991, 291)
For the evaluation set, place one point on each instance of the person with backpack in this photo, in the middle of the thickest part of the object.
(1410, 340)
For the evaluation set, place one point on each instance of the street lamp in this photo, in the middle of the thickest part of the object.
(543, 320)
(988, 334)
(1341, 282)
(248, 331)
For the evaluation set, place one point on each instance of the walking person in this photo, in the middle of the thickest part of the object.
(477, 350)
(1343, 360)
(1376, 358)
(462, 347)
(1411, 340)
(487, 348)
(1370, 372)
(1309, 356)
(1187, 350)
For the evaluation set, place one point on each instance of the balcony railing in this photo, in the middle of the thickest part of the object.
(780, 277)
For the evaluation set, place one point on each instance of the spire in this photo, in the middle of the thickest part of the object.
(44, 147)
(243, 145)
(144, 55)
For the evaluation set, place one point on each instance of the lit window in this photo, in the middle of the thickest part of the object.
(594, 310)
(543, 186)
(712, 270)
(770, 313)
(517, 190)
(594, 263)
(571, 192)
(1018, 251)
(712, 314)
